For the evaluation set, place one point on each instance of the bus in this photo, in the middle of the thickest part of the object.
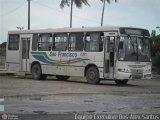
(96, 53)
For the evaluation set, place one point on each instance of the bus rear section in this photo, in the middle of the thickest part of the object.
(18, 52)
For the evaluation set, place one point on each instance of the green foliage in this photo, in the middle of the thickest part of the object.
(3, 49)
(155, 45)
(153, 34)
(108, 1)
(3, 44)
(78, 3)
(157, 59)
(155, 51)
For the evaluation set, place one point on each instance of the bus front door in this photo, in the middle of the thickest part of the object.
(25, 43)
(109, 59)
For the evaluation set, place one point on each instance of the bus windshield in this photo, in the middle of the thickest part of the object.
(134, 48)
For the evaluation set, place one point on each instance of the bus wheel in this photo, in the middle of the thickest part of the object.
(92, 75)
(36, 72)
(121, 82)
(62, 77)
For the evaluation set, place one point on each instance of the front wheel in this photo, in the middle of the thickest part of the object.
(92, 75)
(121, 82)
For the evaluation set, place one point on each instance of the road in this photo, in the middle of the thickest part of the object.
(22, 95)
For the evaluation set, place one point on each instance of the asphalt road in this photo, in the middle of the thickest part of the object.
(23, 95)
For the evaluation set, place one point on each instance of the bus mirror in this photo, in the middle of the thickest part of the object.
(120, 45)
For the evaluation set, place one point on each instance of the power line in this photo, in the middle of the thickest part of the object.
(64, 12)
(43, 5)
(7, 13)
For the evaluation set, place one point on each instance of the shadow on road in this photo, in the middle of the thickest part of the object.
(82, 81)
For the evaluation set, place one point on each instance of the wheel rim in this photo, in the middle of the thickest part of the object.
(36, 71)
(92, 75)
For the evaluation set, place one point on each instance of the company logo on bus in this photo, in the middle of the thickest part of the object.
(63, 54)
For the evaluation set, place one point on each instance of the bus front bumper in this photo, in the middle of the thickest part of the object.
(125, 75)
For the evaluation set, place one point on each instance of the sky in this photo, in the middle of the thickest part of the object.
(47, 14)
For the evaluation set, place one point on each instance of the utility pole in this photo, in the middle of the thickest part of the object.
(71, 13)
(103, 12)
(29, 14)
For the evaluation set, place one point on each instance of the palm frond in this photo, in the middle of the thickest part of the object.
(79, 3)
(65, 2)
(85, 2)
(109, 1)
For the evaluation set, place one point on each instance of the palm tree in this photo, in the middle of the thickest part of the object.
(104, 3)
(78, 4)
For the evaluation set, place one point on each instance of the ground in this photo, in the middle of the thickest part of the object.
(23, 95)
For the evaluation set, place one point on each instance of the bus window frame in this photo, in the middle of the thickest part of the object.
(17, 47)
(102, 41)
(49, 48)
(53, 42)
(69, 48)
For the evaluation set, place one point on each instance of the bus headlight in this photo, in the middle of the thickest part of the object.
(123, 70)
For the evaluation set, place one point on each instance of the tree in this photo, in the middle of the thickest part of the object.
(3, 44)
(155, 51)
(69, 3)
(104, 3)
(3, 49)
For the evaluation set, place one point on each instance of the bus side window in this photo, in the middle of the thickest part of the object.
(13, 43)
(45, 42)
(76, 41)
(60, 42)
(93, 42)
(35, 42)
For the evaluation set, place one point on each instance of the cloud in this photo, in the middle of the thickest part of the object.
(48, 14)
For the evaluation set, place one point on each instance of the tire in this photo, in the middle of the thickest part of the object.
(121, 82)
(62, 77)
(92, 75)
(36, 72)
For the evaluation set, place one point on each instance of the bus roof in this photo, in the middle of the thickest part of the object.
(83, 29)
(63, 30)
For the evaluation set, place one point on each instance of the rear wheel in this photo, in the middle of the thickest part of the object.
(121, 82)
(62, 77)
(92, 75)
(36, 72)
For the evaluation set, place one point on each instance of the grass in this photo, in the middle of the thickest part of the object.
(155, 76)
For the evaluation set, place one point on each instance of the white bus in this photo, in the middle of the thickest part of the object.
(97, 53)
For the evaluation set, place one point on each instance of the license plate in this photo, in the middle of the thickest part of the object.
(137, 76)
